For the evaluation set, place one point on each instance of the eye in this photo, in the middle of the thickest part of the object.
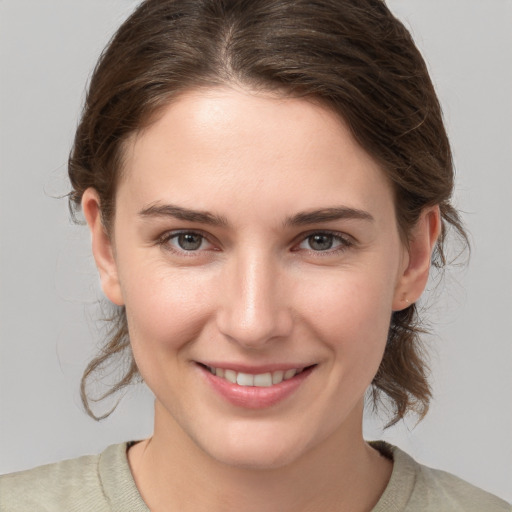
(185, 241)
(188, 241)
(325, 242)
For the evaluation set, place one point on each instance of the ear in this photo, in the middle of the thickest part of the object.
(414, 273)
(102, 247)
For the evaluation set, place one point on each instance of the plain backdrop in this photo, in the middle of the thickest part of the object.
(49, 286)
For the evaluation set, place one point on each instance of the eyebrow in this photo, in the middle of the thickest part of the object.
(300, 219)
(327, 215)
(178, 212)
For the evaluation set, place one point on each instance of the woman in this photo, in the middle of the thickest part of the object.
(265, 184)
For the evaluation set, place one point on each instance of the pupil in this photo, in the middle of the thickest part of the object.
(321, 242)
(190, 241)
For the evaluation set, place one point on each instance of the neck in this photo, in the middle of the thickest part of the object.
(173, 473)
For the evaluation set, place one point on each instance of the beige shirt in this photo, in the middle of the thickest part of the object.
(104, 483)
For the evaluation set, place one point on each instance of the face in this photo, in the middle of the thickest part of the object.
(256, 251)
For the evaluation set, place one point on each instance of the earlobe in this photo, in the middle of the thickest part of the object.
(102, 247)
(414, 275)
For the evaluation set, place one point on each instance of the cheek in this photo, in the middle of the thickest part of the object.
(351, 313)
(165, 308)
(166, 312)
(355, 299)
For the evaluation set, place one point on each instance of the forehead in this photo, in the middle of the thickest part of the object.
(221, 146)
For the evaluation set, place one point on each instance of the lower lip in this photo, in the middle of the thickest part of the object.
(254, 397)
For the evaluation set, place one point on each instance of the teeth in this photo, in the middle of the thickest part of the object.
(230, 375)
(260, 380)
(245, 379)
(288, 374)
(277, 377)
(263, 380)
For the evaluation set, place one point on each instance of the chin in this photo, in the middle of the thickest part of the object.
(257, 457)
(256, 448)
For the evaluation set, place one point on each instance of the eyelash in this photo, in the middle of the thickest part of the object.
(344, 241)
(166, 238)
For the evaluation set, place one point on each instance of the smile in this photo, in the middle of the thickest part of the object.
(255, 390)
(262, 380)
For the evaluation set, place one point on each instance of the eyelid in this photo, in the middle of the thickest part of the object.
(347, 241)
(164, 239)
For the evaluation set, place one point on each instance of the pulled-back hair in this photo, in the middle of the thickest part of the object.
(353, 56)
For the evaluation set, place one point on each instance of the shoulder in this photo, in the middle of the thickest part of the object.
(441, 488)
(71, 485)
(415, 487)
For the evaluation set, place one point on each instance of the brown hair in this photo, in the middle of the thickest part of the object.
(352, 55)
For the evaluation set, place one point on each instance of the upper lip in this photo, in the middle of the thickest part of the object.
(255, 369)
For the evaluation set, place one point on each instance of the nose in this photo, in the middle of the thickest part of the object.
(255, 307)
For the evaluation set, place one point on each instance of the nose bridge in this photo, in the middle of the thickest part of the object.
(254, 310)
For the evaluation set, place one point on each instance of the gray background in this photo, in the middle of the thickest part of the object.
(48, 284)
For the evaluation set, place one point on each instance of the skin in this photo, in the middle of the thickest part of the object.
(256, 292)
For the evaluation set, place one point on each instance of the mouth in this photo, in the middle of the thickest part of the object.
(260, 380)
(256, 387)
